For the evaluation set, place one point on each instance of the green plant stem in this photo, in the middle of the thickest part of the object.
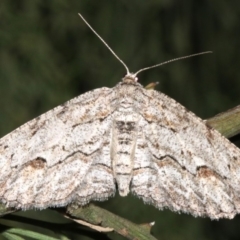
(98, 216)
(227, 123)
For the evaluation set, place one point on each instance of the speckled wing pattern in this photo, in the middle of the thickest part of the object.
(59, 156)
(125, 138)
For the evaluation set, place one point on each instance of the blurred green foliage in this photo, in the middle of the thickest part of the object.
(48, 56)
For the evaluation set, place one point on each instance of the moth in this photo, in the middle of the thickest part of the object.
(125, 139)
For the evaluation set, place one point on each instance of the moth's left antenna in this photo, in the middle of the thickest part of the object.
(116, 56)
(172, 60)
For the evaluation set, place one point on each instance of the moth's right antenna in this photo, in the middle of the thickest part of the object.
(116, 56)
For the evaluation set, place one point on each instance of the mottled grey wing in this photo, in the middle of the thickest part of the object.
(193, 168)
(45, 162)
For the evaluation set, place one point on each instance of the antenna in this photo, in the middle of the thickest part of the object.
(143, 69)
(172, 60)
(116, 56)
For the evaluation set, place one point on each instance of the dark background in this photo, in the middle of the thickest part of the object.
(48, 56)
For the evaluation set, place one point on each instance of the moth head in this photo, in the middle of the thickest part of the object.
(130, 77)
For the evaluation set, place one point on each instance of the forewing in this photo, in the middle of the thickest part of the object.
(44, 162)
(194, 169)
